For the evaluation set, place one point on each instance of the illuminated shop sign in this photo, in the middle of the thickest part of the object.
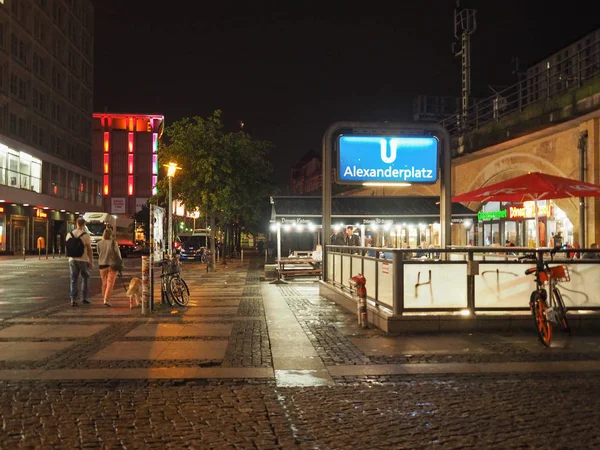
(491, 215)
(385, 159)
(295, 220)
(1, 209)
(528, 211)
(377, 221)
(41, 214)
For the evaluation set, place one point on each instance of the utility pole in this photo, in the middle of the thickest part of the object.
(464, 25)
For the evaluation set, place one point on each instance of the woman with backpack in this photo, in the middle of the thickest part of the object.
(109, 262)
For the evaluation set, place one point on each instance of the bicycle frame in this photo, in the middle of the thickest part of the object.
(547, 306)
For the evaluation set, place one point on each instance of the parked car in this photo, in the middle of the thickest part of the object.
(190, 248)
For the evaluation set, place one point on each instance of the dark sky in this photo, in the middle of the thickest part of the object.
(290, 69)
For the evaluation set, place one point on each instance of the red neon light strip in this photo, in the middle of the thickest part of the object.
(105, 190)
(130, 164)
(130, 184)
(130, 142)
(106, 161)
(106, 141)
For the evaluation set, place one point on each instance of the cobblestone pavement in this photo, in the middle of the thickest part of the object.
(504, 410)
(546, 412)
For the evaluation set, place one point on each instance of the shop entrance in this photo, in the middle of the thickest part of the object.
(19, 241)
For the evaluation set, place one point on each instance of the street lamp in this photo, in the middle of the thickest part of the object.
(171, 169)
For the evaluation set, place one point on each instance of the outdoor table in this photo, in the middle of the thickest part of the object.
(297, 267)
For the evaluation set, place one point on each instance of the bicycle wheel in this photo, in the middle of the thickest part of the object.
(180, 290)
(542, 325)
(166, 289)
(562, 311)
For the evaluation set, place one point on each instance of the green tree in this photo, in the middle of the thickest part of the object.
(223, 173)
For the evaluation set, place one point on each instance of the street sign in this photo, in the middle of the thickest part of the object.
(387, 159)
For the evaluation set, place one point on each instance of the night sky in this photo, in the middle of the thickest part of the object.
(290, 69)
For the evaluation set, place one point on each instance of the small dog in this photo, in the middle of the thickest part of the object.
(135, 292)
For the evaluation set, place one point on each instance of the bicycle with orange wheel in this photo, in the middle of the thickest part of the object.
(547, 305)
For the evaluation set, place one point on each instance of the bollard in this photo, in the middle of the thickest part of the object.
(359, 281)
(39, 253)
(145, 283)
(23, 253)
(242, 255)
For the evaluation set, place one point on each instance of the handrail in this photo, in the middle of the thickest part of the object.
(535, 87)
(392, 280)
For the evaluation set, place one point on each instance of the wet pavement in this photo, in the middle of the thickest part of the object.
(250, 364)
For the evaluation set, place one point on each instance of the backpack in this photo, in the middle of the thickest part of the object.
(75, 246)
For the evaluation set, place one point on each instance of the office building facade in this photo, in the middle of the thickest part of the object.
(46, 86)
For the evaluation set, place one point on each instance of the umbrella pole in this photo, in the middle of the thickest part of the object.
(537, 224)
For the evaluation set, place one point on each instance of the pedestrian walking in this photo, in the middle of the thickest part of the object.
(81, 259)
(110, 263)
(260, 246)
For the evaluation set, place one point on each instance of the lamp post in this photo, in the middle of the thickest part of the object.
(171, 169)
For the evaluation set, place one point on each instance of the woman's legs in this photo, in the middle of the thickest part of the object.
(104, 277)
(110, 284)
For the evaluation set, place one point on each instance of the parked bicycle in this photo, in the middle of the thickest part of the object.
(547, 306)
(174, 289)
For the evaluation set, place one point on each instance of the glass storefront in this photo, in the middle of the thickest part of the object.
(20, 170)
(2, 230)
(515, 223)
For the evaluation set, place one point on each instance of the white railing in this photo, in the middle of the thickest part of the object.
(405, 284)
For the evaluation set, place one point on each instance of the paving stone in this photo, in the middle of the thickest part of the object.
(30, 351)
(50, 331)
(181, 330)
(161, 350)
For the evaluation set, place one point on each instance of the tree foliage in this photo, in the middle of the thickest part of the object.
(222, 173)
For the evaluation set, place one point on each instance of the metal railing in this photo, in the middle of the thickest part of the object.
(467, 279)
(537, 85)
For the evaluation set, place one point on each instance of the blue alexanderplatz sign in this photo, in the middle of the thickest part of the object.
(388, 159)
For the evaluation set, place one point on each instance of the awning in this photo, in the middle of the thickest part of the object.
(364, 210)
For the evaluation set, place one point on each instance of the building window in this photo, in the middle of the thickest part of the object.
(39, 66)
(18, 48)
(72, 59)
(22, 131)
(85, 75)
(14, 84)
(56, 112)
(22, 89)
(22, 169)
(57, 47)
(12, 123)
(39, 30)
(58, 14)
(57, 82)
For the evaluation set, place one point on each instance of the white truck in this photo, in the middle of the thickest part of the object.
(96, 222)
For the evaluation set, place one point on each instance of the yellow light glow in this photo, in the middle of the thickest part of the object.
(171, 169)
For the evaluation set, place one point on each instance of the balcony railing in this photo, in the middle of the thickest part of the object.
(541, 82)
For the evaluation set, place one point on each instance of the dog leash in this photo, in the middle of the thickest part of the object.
(120, 275)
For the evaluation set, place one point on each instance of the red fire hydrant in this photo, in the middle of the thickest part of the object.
(359, 282)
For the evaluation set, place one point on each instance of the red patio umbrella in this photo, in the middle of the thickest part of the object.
(532, 186)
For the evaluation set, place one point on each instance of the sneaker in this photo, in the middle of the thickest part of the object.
(73, 303)
(107, 304)
(86, 302)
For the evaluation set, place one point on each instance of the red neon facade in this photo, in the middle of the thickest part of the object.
(127, 159)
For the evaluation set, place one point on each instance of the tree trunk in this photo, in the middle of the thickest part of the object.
(224, 246)
(213, 246)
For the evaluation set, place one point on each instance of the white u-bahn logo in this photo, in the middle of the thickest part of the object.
(384, 157)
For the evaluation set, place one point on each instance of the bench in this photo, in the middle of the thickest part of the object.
(294, 273)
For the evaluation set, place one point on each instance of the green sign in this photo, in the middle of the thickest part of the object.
(492, 215)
